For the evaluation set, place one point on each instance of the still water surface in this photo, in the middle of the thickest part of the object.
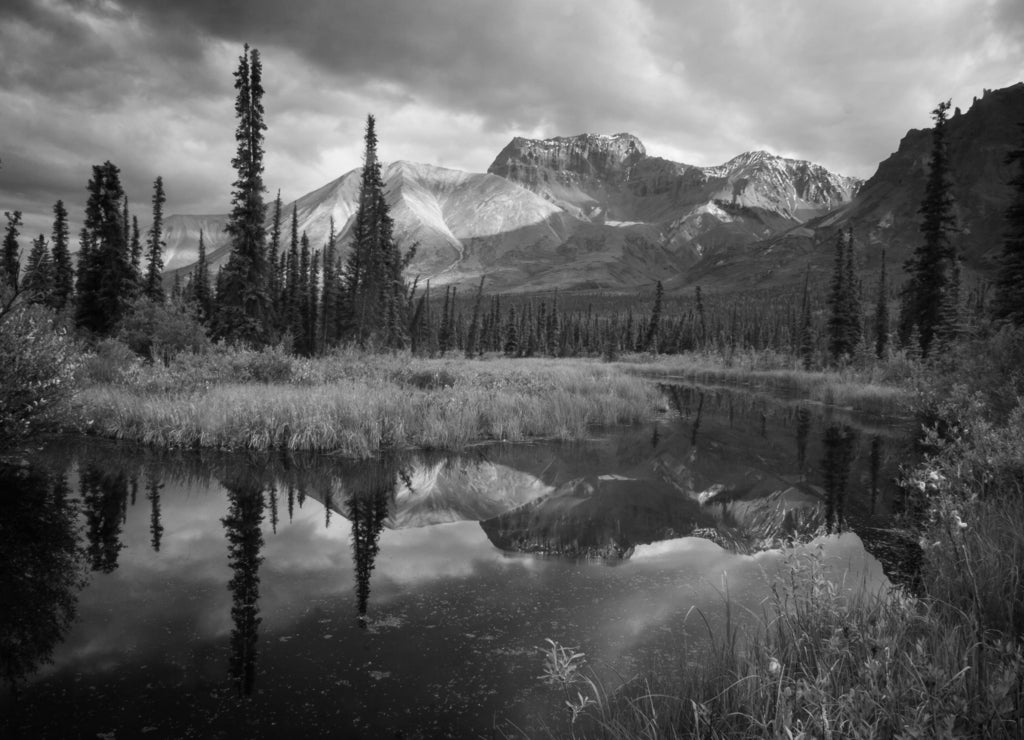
(186, 594)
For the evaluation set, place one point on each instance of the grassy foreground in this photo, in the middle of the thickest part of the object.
(357, 404)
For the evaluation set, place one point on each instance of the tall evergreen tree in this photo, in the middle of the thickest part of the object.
(135, 250)
(474, 323)
(63, 271)
(931, 264)
(38, 279)
(652, 326)
(10, 260)
(201, 283)
(290, 296)
(1009, 300)
(274, 282)
(109, 281)
(329, 293)
(313, 304)
(445, 332)
(154, 288)
(882, 313)
(806, 343)
(300, 329)
(243, 304)
(375, 292)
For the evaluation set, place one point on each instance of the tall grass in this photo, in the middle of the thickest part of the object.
(358, 405)
(884, 387)
(822, 661)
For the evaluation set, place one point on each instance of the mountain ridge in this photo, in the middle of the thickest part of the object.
(604, 216)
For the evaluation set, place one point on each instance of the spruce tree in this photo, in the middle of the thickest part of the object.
(511, 347)
(243, 304)
(313, 304)
(154, 289)
(63, 271)
(38, 279)
(839, 319)
(444, 333)
(1009, 299)
(135, 250)
(882, 313)
(375, 292)
(806, 342)
(290, 295)
(652, 326)
(300, 323)
(474, 323)
(107, 280)
(10, 261)
(931, 264)
(329, 292)
(201, 284)
(274, 279)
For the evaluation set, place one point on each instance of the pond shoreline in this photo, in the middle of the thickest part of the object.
(361, 405)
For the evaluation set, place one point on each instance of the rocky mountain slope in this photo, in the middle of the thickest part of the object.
(884, 212)
(582, 212)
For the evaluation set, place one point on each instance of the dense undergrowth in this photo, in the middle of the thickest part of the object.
(824, 662)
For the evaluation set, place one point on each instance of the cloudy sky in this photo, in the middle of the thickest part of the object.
(147, 84)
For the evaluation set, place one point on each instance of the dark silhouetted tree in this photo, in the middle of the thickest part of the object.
(882, 313)
(375, 293)
(10, 260)
(651, 335)
(1009, 301)
(929, 267)
(107, 282)
(243, 303)
(63, 270)
(38, 278)
(154, 288)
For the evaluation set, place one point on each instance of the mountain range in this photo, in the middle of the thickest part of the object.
(595, 211)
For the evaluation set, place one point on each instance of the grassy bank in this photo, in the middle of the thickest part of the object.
(823, 662)
(358, 404)
(882, 387)
(945, 661)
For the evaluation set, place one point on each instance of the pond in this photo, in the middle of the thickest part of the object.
(184, 594)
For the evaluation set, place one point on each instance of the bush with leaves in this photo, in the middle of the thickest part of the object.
(37, 369)
(161, 331)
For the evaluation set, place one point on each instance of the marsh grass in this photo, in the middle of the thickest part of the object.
(883, 387)
(821, 661)
(359, 405)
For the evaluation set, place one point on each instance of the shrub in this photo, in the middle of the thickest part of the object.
(37, 369)
(162, 330)
(111, 361)
(270, 365)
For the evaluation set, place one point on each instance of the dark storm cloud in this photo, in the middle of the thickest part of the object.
(148, 83)
(511, 63)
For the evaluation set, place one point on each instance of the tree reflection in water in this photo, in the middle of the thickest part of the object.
(156, 529)
(370, 487)
(42, 569)
(104, 493)
(245, 541)
(840, 449)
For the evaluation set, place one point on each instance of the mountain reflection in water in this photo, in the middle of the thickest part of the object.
(228, 583)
